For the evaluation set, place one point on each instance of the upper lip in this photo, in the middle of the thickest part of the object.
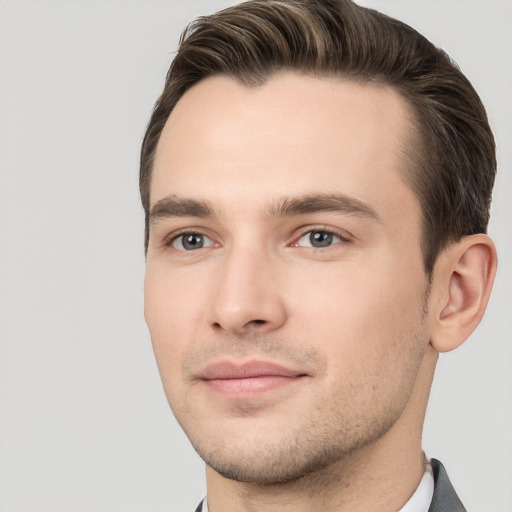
(246, 370)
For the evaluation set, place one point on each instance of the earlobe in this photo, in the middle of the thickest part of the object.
(463, 281)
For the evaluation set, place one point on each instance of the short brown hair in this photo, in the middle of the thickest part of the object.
(454, 151)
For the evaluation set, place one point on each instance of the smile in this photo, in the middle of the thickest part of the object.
(248, 379)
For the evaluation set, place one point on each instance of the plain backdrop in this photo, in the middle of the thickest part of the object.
(84, 425)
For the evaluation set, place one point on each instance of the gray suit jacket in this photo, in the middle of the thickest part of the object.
(445, 498)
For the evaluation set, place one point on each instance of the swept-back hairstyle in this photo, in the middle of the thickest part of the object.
(452, 147)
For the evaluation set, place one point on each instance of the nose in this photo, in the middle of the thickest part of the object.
(248, 298)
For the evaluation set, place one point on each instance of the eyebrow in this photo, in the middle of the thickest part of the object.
(317, 203)
(173, 206)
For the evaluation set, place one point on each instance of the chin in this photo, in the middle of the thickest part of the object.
(266, 472)
(284, 461)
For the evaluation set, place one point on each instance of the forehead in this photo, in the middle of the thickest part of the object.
(295, 134)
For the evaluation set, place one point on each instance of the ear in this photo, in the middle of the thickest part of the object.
(461, 286)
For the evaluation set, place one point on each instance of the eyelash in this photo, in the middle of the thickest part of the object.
(171, 238)
(343, 236)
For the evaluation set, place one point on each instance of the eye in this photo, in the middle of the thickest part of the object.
(318, 239)
(191, 242)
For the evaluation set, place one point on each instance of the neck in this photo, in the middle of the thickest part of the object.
(381, 476)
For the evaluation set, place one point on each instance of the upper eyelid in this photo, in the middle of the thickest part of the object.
(174, 235)
(295, 236)
(342, 233)
(336, 241)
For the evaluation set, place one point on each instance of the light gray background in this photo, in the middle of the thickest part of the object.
(84, 425)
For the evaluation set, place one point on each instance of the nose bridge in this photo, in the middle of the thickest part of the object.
(247, 296)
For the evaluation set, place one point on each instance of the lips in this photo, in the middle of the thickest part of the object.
(250, 369)
(249, 378)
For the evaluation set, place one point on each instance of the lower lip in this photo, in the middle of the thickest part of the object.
(250, 386)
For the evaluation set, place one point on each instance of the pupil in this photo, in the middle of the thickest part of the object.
(320, 239)
(193, 241)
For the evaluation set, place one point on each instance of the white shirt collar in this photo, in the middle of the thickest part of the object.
(420, 500)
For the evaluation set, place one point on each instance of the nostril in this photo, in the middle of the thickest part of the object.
(219, 325)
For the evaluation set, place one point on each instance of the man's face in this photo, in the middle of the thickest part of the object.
(285, 290)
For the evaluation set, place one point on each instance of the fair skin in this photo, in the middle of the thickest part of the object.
(294, 326)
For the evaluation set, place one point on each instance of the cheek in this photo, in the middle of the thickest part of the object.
(372, 336)
(360, 315)
(172, 301)
(171, 319)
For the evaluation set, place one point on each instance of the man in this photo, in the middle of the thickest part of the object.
(316, 179)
